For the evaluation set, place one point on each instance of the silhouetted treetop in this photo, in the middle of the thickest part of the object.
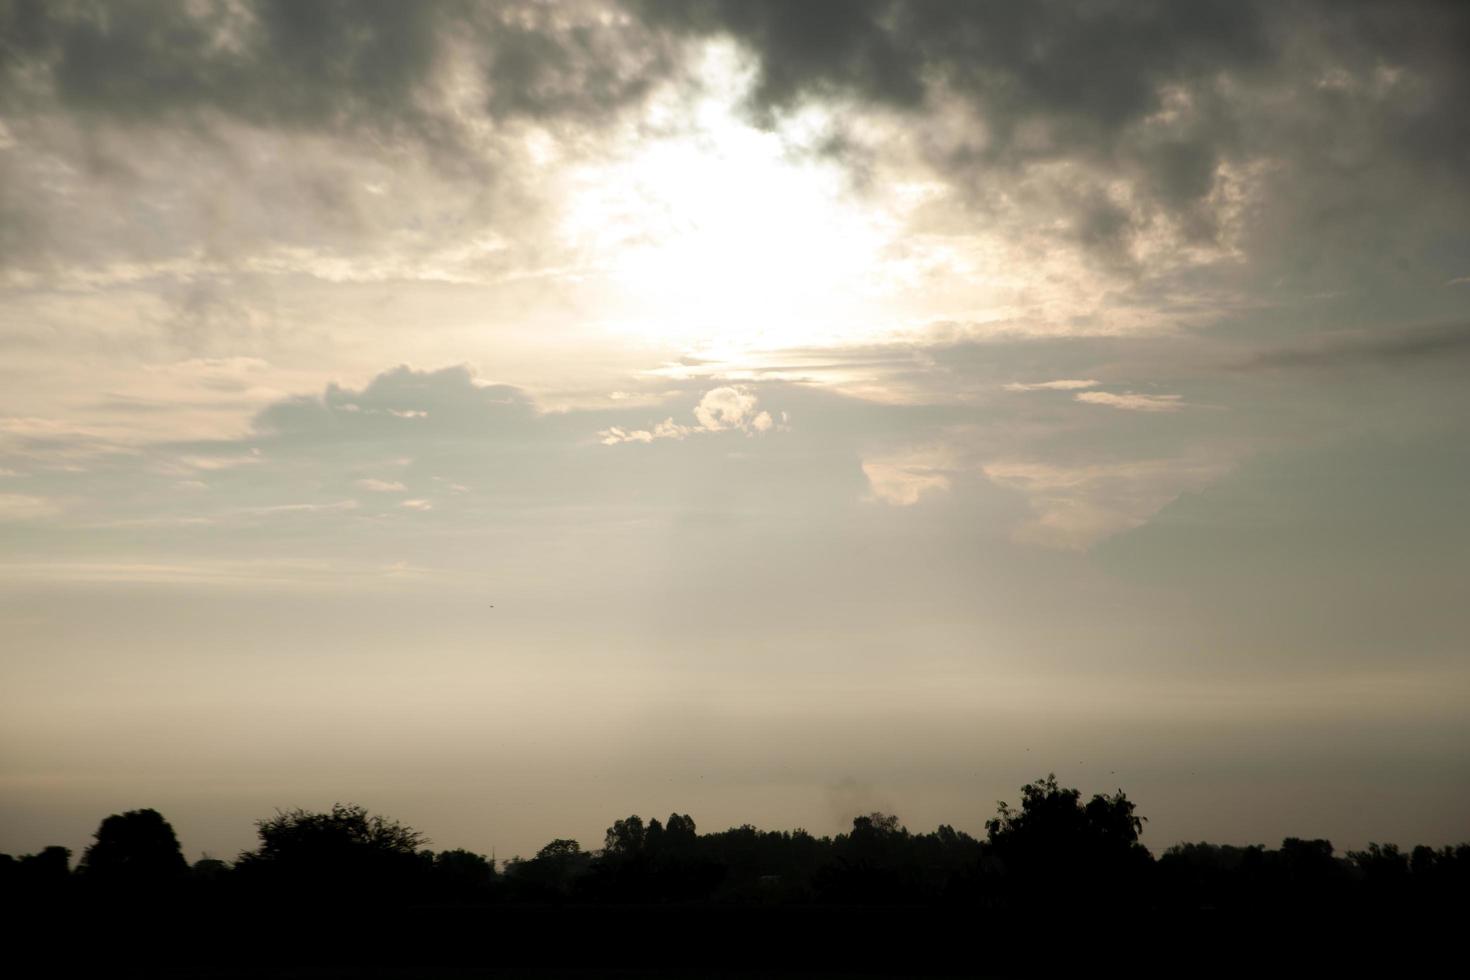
(137, 847)
(1049, 813)
(1054, 852)
(344, 847)
(625, 836)
(44, 875)
(463, 875)
(346, 828)
(559, 850)
(1055, 848)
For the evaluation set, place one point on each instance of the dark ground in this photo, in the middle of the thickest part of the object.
(693, 941)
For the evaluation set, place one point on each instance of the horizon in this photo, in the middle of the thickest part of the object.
(511, 416)
(590, 846)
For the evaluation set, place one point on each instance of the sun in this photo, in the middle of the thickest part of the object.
(720, 235)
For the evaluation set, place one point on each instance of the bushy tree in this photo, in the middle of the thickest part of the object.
(43, 876)
(625, 837)
(652, 863)
(461, 875)
(134, 849)
(872, 863)
(1056, 850)
(346, 847)
(551, 874)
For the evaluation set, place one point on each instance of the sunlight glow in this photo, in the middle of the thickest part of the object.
(681, 227)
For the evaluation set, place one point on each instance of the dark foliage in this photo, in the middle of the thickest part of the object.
(135, 850)
(1054, 858)
(309, 857)
(1054, 851)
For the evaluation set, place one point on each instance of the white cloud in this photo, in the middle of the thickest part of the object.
(417, 504)
(669, 429)
(1062, 384)
(381, 486)
(1131, 401)
(902, 486)
(217, 371)
(303, 508)
(731, 408)
(1077, 506)
(319, 574)
(43, 428)
(903, 480)
(221, 462)
(617, 434)
(23, 507)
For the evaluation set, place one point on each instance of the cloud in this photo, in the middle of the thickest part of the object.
(1077, 505)
(404, 403)
(1160, 128)
(1046, 80)
(334, 575)
(1063, 384)
(26, 507)
(1131, 401)
(350, 141)
(667, 429)
(417, 504)
(1360, 348)
(221, 462)
(58, 441)
(334, 506)
(902, 484)
(383, 67)
(731, 408)
(381, 486)
(724, 409)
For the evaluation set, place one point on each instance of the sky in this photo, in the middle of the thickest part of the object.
(511, 416)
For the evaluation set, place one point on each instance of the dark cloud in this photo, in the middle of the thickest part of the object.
(542, 70)
(1159, 94)
(1098, 63)
(1086, 70)
(1437, 342)
(340, 64)
(1351, 114)
(298, 105)
(403, 403)
(276, 62)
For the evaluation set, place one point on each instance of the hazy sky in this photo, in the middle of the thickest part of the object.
(512, 416)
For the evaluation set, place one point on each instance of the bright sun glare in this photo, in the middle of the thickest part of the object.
(681, 227)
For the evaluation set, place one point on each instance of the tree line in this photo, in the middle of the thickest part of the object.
(1053, 850)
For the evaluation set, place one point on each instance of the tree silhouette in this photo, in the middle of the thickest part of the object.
(625, 837)
(549, 876)
(36, 877)
(1072, 859)
(872, 864)
(346, 847)
(137, 849)
(1056, 851)
(461, 875)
